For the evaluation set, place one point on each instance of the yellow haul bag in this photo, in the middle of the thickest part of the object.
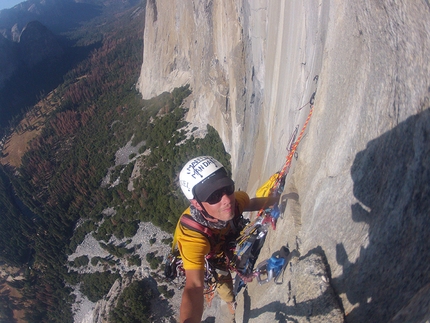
(264, 189)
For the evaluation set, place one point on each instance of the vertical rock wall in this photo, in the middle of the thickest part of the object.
(363, 175)
(357, 195)
(200, 43)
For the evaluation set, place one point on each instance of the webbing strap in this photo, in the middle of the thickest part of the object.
(190, 223)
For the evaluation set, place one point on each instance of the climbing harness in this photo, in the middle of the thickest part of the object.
(216, 268)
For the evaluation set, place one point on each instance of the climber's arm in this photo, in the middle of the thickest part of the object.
(191, 310)
(258, 203)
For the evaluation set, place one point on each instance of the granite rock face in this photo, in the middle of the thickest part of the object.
(357, 195)
(199, 43)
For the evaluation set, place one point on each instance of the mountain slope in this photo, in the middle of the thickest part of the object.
(35, 63)
(40, 41)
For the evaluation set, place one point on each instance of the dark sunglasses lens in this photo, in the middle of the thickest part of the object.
(229, 190)
(216, 196)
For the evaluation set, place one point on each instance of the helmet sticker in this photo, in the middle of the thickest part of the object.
(198, 166)
(196, 171)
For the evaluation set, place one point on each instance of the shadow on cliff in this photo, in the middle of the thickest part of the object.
(392, 184)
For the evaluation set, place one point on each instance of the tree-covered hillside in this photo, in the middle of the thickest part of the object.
(70, 175)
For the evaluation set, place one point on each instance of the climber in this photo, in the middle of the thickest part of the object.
(215, 205)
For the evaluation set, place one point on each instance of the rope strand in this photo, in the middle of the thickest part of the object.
(285, 169)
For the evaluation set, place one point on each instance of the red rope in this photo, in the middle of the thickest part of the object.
(285, 169)
(287, 164)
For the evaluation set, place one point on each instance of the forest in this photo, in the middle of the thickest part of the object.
(60, 177)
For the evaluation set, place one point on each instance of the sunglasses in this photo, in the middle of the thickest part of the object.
(216, 196)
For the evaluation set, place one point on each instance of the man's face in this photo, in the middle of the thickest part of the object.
(223, 210)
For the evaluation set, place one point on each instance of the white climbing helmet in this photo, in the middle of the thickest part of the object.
(197, 171)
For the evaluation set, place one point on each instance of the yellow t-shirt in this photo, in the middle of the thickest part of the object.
(194, 246)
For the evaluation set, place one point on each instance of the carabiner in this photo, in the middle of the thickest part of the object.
(262, 273)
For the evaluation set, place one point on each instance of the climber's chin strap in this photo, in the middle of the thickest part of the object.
(209, 217)
(205, 213)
